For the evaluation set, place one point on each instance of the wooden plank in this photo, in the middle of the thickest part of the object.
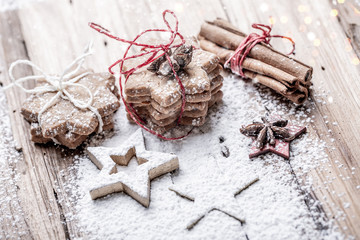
(13, 224)
(40, 165)
(336, 118)
(349, 18)
(47, 43)
(8, 230)
(196, 18)
(243, 16)
(53, 44)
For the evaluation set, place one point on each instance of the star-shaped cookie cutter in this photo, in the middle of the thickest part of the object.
(151, 165)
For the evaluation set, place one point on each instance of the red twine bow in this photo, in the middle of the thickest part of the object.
(154, 50)
(237, 59)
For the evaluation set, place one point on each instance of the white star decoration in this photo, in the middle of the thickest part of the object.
(213, 191)
(151, 165)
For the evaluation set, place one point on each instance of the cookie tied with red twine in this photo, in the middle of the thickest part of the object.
(166, 84)
(154, 52)
(157, 99)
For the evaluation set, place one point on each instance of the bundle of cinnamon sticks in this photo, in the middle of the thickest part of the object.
(287, 76)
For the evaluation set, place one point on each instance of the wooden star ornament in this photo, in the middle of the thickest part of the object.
(151, 165)
(273, 135)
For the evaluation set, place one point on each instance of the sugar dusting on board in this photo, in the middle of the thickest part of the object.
(11, 215)
(277, 206)
(8, 5)
(274, 207)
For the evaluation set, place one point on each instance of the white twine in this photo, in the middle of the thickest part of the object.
(58, 84)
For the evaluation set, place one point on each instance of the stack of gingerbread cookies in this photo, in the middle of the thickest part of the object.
(155, 94)
(66, 124)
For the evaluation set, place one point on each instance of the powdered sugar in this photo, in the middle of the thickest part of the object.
(273, 208)
(212, 190)
(11, 218)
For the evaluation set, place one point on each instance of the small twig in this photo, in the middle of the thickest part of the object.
(242, 221)
(182, 195)
(193, 224)
(246, 186)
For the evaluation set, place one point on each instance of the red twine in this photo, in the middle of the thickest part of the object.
(237, 59)
(154, 50)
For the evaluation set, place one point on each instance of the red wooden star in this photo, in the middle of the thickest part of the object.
(281, 147)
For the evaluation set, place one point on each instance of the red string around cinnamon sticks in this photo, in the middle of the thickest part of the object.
(153, 51)
(237, 59)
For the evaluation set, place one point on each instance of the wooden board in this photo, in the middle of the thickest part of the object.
(52, 33)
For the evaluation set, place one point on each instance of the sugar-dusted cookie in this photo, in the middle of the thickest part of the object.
(68, 106)
(192, 117)
(157, 97)
(177, 106)
(63, 116)
(151, 165)
(216, 97)
(69, 139)
(198, 101)
(166, 90)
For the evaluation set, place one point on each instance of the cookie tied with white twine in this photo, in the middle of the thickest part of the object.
(66, 108)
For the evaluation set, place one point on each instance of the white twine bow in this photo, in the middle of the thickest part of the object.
(58, 84)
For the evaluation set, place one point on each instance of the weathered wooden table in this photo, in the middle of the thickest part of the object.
(50, 33)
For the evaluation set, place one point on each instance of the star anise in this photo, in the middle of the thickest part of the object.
(179, 59)
(267, 132)
(183, 54)
(155, 65)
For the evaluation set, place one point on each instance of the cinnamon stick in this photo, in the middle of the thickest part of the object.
(295, 96)
(267, 81)
(250, 64)
(227, 36)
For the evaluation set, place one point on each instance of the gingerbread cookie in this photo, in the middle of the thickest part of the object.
(158, 100)
(145, 86)
(67, 107)
(69, 139)
(66, 124)
(191, 116)
(151, 165)
(64, 116)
